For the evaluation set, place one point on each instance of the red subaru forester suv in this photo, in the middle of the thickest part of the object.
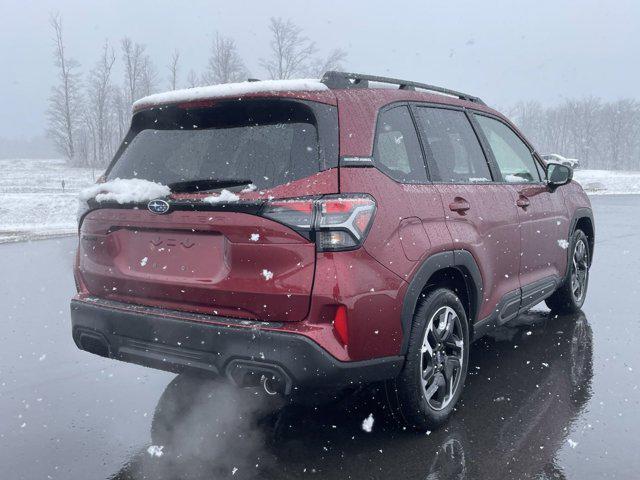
(322, 235)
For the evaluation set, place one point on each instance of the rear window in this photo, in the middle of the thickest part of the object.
(269, 142)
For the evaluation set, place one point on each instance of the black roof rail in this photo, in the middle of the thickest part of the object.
(334, 79)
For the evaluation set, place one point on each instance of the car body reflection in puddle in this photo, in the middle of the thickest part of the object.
(528, 383)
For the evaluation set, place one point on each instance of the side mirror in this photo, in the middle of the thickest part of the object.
(558, 174)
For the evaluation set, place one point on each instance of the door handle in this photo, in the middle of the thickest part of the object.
(523, 202)
(459, 205)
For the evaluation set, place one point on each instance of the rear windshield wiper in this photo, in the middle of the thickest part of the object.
(206, 185)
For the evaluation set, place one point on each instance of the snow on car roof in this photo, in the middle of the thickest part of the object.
(230, 90)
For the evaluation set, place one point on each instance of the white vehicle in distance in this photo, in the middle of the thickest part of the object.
(556, 158)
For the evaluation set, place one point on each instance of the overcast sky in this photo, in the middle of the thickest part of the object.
(502, 51)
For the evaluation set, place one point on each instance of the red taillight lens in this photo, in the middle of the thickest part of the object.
(343, 222)
(297, 213)
(337, 222)
(340, 324)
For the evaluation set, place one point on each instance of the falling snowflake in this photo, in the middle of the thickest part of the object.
(563, 244)
(144, 261)
(155, 450)
(255, 237)
(367, 423)
(268, 275)
(571, 443)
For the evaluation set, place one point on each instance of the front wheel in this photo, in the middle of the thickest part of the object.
(572, 293)
(426, 391)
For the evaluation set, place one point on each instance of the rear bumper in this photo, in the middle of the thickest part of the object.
(240, 350)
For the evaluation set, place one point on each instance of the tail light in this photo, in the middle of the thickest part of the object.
(335, 222)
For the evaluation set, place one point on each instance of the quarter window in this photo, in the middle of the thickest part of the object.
(514, 159)
(453, 149)
(397, 150)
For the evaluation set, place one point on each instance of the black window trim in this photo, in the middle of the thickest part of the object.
(384, 109)
(485, 141)
(428, 155)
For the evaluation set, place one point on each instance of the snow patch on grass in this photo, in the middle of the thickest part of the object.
(608, 182)
(33, 203)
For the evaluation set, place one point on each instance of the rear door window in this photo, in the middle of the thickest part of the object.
(269, 143)
(397, 149)
(514, 159)
(453, 150)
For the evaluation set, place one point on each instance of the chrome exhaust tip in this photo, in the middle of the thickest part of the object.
(269, 385)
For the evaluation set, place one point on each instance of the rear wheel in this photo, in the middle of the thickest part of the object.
(572, 293)
(426, 391)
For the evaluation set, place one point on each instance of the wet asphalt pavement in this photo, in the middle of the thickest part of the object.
(546, 397)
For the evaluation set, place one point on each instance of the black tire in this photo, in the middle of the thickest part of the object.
(566, 299)
(407, 394)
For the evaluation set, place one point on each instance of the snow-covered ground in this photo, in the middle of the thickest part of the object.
(32, 202)
(607, 182)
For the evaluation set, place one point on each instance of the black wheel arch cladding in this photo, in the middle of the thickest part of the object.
(460, 260)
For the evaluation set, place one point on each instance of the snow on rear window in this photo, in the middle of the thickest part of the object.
(224, 196)
(129, 190)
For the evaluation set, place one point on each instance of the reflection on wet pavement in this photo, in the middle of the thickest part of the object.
(527, 384)
(546, 398)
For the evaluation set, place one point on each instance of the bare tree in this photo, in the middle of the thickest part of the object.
(599, 134)
(620, 121)
(133, 58)
(583, 127)
(225, 64)
(122, 110)
(83, 147)
(192, 79)
(291, 52)
(333, 61)
(99, 115)
(148, 77)
(65, 101)
(173, 69)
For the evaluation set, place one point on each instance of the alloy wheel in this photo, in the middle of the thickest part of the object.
(442, 357)
(580, 270)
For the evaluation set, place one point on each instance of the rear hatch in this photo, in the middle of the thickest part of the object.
(225, 245)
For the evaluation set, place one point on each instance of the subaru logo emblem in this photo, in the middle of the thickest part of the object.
(158, 206)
